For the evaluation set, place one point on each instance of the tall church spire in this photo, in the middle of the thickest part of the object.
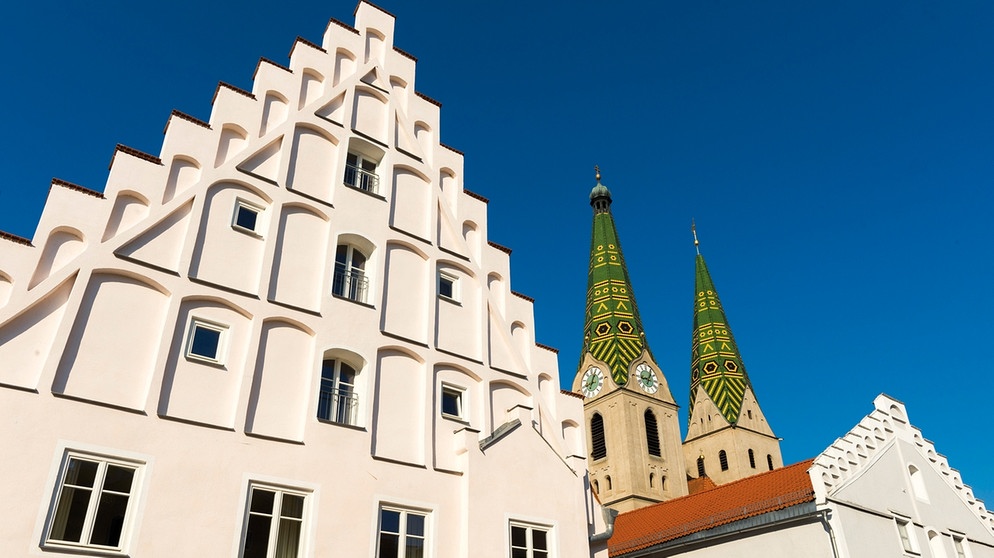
(715, 362)
(613, 329)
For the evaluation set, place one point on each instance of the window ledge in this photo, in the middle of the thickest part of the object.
(353, 301)
(355, 427)
(248, 232)
(367, 192)
(70, 548)
(206, 361)
(455, 418)
(449, 300)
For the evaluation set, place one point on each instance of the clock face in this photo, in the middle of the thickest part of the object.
(647, 378)
(592, 381)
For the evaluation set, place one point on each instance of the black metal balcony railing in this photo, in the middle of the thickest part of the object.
(350, 283)
(337, 405)
(362, 179)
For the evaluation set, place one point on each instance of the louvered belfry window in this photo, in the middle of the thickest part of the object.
(652, 433)
(597, 437)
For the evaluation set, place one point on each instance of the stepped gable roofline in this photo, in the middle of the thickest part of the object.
(356, 10)
(547, 348)
(187, 117)
(263, 59)
(77, 188)
(578, 396)
(475, 196)
(763, 493)
(343, 24)
(303, 41)
(226, 85)
(14, 238)
(134, 153)
(877, 431)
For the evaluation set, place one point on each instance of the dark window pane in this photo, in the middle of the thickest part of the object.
(341, 254)
(257, 537)
(519, 536)
(81, 473)
(445, 287)
(415, 548)
(262, 501)
(246, 218)
(109, 522)
(539, 539)
(388, 546)
(118, 479)
(67, 525)
(328, 370)
(390, 521)
(450, 403)
(205, 342)
(358, 260)
(519, 553)
(368, 166)
(352, 159)
(293, 506)
(415, 524)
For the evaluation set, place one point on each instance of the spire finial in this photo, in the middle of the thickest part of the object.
(597, 173)
(697, 243)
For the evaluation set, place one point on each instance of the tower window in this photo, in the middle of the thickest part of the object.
(652, 433)
(752, 459)
(599, 450)
(652, 479)
(607, 479)
(749, 413)
(700, 467)
(769, 461)
(723, 460)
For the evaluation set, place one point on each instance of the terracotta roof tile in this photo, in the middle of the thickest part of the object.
(700, 484)
(748, 497)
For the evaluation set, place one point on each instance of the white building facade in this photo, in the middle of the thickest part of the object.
(285, 335)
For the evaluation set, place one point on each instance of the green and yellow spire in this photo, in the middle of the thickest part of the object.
(613, 329)
(715, 362)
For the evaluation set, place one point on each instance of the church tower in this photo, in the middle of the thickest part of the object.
(728, 437)
(634, 453)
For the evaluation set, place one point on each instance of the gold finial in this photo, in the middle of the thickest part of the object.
(697, 243)
(597, 173)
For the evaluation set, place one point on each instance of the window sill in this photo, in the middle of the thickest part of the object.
(352, 300)
(347, 426)
(449, 300)
(455, 418)
(367, 192)
(245, 231)
(206, 361)
(83, 550)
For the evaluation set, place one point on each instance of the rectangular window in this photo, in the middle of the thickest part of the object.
(529, 541)
(274, 523)
(959, 543)
(447, 286)
(93, 501)
(452, 402)
(904, 531)
(205, 341)
(402, 534)
(247, 217)
(360, 173)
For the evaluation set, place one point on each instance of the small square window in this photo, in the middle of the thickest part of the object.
(402, 533)
(530, 541)
(274, 523)
(206, 341)
(247, 217)
(447, 286)
(452, 402)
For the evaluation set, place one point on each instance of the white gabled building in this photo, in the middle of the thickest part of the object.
(287, 334)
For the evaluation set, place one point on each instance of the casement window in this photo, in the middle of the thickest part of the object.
(337, 399)
(448, 286)
(247, 217)
(206, 341)
(452, 402)
(402, 533)
(93, 503)
(652, 433)
(906, 533)
(360, 173)
(960, 546)
(530, 541)
(274, 523)
(350, 279)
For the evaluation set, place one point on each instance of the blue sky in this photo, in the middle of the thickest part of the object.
(836, 155)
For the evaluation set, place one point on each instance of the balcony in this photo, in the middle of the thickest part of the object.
(362, 179)
(337, 404)
(350, 283)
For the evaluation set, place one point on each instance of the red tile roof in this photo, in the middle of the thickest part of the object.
(748, 497)
(700, 484)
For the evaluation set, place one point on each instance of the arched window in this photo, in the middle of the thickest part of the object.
(599, 450)
(723, 460)
(337, 400)
(350, 279)
(700, 467)
(608, 480)
(652, 479)
(769, 461)
(597, 487)
(662, 483)
(935, 544)
(752, 459)
(917, 483)
(652, 433)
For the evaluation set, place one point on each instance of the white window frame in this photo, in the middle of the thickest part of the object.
(276, 515)
(222, 342)
(961, 548)
(339, 392)
(370, 178)
(99, 490)
(453, 281)
(529, 548)
(459, 393)
(241, 204)
(402, 533)
(906, 535)
(350, 274)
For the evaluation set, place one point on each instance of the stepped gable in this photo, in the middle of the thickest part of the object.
(752, 496)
